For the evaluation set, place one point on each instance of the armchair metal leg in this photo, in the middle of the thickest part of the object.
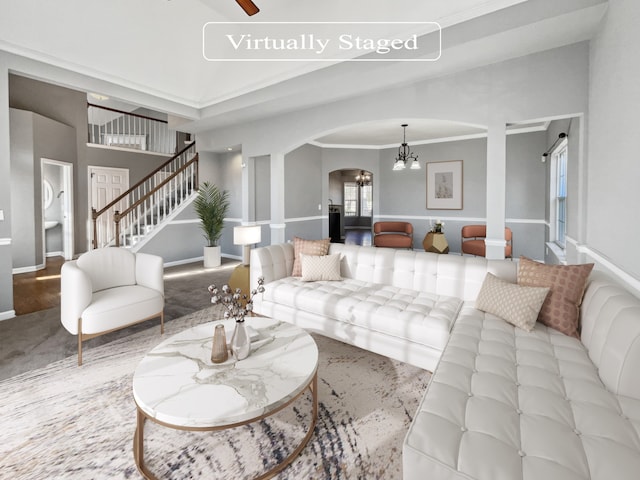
(79, 342)
(162, 322)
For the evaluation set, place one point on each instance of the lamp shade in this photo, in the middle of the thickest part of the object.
(247, 235)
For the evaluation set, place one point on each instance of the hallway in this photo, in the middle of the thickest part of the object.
(40, 290)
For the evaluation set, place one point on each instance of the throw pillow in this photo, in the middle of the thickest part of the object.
(514, 303)
(326, 267)
(561, 309)
(307, 247)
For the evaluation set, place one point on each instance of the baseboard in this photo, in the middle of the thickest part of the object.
(54, 254)
(7, 315)
(30, 269)
(175, 263)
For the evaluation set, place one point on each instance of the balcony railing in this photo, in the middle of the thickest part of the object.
(117, 128)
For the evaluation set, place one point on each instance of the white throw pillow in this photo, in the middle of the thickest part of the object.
(320, 267)
(516, 304)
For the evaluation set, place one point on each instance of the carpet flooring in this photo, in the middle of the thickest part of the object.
(34, 340)
(65, 422)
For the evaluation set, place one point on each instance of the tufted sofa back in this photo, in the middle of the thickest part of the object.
(450, 275)
(610, 318)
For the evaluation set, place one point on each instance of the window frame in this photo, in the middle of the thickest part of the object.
(558, 195)
(361, 198)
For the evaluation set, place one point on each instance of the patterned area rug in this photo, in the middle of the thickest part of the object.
(66, 422)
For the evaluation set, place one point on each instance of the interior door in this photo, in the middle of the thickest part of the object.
(106, 185)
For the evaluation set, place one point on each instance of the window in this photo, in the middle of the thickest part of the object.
(358, 201)
(366, 201)
(350, 199)
(560, 223)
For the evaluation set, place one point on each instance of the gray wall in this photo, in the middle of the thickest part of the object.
(68, 107)
(303, 192)
(182, 240)
(525, 193)
(6, 240)
(33, 137)
(612, 227)
(262, 193)
(403, 193)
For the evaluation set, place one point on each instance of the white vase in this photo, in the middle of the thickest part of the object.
(211, 257)
(240, 342)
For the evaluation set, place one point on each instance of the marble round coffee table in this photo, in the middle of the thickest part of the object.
(176, 384)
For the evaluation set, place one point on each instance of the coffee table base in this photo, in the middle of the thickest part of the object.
(138, 437)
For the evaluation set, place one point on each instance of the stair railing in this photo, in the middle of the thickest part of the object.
(118, 128)
(130, 216)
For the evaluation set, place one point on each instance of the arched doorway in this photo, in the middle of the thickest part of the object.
(351, 206)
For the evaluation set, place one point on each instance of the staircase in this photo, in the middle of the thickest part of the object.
(133, 217)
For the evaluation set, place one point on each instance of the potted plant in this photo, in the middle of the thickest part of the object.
(211, 206)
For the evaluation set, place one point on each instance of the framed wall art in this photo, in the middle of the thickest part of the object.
(444, 185)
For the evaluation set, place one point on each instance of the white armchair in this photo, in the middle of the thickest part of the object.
(108, 289)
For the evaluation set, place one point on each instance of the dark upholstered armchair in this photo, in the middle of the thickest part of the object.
(393, 234)
(472, 240)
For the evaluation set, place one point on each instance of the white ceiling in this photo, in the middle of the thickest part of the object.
(149, 53)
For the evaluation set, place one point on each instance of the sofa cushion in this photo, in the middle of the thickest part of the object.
(320, 267)
(567, 283)
(307, 247)
(516, 304)
(416, 316)
(506, 404)
(116, 307)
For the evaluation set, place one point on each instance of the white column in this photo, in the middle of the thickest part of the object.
(277, 224)
(496, 188)
(248, 190)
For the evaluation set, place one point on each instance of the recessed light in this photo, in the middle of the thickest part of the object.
(229, 148)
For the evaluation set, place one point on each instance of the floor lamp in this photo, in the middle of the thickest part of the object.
(245, 236)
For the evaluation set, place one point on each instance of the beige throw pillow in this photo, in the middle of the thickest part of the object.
(326, 267)
(561, 309)
(514, 303)
(307, 247)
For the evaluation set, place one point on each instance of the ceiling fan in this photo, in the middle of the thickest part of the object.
(248, 6)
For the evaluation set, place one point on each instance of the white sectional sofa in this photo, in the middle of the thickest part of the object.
(503, 403)
(397, 303)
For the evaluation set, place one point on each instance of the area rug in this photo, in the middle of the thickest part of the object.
(68, 422)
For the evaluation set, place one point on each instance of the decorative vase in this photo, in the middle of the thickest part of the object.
(240, 341)
(219, 352)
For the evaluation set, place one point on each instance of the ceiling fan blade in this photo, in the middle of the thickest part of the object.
(248, 6)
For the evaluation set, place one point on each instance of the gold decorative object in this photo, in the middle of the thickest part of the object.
(436, 243)
(219, 352)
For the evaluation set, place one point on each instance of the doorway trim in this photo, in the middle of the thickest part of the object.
(91, 170)
(68, 247)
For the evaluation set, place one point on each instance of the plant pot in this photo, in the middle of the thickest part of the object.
(211, 257)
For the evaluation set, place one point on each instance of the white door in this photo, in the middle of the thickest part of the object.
(106, 184)
(65, 197)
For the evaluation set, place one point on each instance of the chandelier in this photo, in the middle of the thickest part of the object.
(363, 179)
(404, 154)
